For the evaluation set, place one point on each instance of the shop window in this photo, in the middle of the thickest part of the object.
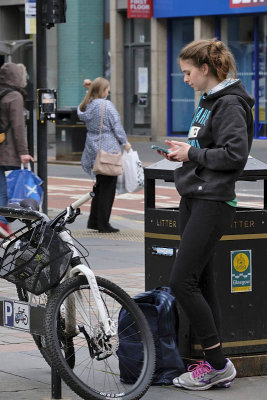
(262, 126)
(182, 96)
(238, 33)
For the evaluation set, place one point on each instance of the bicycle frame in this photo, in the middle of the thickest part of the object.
(20, 213)
(108, 325)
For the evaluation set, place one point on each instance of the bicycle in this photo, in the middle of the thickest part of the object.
(87, 317)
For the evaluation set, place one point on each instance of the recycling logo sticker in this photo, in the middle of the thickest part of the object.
(241, 271)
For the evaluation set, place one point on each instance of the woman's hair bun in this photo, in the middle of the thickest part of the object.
(216, 45)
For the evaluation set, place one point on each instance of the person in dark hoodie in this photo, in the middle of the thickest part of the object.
(218, 145)
(113, 135)
(13, 150)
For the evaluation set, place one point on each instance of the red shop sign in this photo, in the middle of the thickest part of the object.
(140, 9)
(247, 3)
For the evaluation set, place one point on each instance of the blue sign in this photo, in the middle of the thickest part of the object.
(8, 314)
(191, 8)
(16, 315)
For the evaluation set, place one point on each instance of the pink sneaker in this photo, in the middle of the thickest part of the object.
(203, 376)
(4, 230)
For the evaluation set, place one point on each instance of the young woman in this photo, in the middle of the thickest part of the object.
(218, 145)
(113, 135)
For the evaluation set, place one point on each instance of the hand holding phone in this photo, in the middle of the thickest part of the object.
(167, 151)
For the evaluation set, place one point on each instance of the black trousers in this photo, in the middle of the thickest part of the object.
(202, 224)
(104, 189)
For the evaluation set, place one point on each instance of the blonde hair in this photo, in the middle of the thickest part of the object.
(212, 52)
(96, 90)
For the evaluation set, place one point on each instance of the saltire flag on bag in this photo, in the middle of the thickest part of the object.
(24, 184)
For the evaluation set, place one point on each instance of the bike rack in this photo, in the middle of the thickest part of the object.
(22, 316)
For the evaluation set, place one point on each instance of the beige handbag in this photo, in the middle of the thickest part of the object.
(107, 163)
(2, 137)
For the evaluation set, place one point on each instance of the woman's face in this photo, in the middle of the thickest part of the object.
(106, 91)
(194, 76)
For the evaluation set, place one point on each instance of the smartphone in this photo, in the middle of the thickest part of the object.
(160, 149)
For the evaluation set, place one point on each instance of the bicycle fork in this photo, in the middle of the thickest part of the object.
(109, 325)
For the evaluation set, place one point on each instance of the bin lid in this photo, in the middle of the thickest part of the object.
(254, 170)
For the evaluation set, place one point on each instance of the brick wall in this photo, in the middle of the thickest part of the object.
(80, 49)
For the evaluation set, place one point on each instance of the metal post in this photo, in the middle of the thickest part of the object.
(41, 83)
(265, 194)
(29, 123)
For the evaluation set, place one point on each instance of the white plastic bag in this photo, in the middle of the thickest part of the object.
(133, 171)
(120, 186)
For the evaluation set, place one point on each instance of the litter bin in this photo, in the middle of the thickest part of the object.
(240, 269)
(70, 135)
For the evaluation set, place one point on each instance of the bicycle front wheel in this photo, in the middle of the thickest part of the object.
(100, 365)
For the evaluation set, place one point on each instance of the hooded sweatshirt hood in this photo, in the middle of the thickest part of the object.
(220, 136)
(11, 76)
(231, 87)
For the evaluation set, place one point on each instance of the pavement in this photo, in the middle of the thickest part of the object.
(24, 375)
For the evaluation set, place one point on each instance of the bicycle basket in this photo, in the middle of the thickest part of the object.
(35, 258)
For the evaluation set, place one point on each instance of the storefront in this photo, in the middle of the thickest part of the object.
(242, 24)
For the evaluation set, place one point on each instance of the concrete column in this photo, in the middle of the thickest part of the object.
(204, 28)
(158, 78)
(116, 58)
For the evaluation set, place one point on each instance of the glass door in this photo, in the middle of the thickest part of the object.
(141, 104)
(137, 87)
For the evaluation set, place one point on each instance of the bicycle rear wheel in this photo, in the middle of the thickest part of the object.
(96, 374)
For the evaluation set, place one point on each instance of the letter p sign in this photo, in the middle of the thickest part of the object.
(8, 314)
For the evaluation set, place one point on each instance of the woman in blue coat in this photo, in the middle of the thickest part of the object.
(112, 137)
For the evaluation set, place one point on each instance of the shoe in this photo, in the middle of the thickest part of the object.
(92, 226)
(224, 385)
(203, 376)
(108, 229)
(4, 230)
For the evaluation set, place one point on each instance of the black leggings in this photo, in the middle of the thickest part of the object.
(202, 224)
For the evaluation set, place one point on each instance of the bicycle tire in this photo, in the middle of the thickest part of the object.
(39, 340)
(98, 376)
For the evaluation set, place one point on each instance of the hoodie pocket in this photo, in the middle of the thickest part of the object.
(187, 180)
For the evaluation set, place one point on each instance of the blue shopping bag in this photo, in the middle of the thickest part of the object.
(24, 184)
